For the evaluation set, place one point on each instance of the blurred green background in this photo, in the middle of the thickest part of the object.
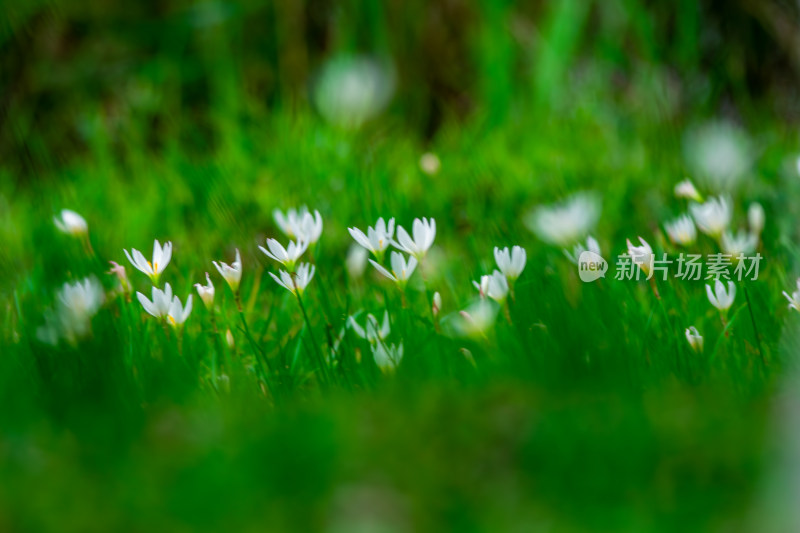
(193, 121)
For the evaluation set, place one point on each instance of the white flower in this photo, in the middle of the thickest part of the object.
(372, 330)
(424, 231)
(71, 223)
(719, 297)
(475, 320)
(295, 283)
(401, 270)
(686, 189)
(299, 224)
(206, 292)
(429, 163)
(591, 246)
(287, 256)
(387, 358)
(741, 243)
(436, 305)
(719, 153)
(161, 301)
(755, 218)
(356, 261)
(178, 314)
(681, 230)
(511, 264)
(694, 338)
(565, 223)
(641, 255)
(713, 216)
(794, 298)
(231, 273)
(377, 239)
(76, 304)
(161, 258)
(495, 286)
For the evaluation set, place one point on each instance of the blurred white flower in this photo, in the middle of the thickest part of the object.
(229, 340)
(686, 189)
(475, 320)
(719, 297)
(742, 242)
(794, 298)
(356, 261)
(719, 153)
(299, 224)
(591, 246)
(178, 314)
(76, 304)
(231, 273)
(512, 263)
(372, 330)
(286, 256)
(713, 216)
(159, 306)
(206, 292)
(71, 223)
(387, 358)
(424, 232)
(401, 270)
(296, 283)
(377, 239)
(161, 258)
(429, 163)
(694, 338)
(641, 255)
(494, 286)
(564, 224)
(756, 218)
(436, 305)
(349, 91)
(681, 231)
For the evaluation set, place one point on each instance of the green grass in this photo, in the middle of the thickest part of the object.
(585, 410)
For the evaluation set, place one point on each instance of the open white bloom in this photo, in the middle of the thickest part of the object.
(436, 305)
(161, 301)
(512, 263)
(206, 292)
(377, 239)
(641, 255)
(290, 222)
(743, 242)
(372, 330)
(71, 223)
(694, 338)
(309, 228)
(713, 216)
(231, 273)
(387, 358)
(756, 218)
(566, 223)
(719, 297)
(681, 230)
(719, 153)
(356, 261)
(591, 246)
(424, 231)
(287, 256)
(178, 314)
(161, 258)
(76, 304)
(295, 283)
(686, 189)
(401, 270)
(794, 298)
(495, 286)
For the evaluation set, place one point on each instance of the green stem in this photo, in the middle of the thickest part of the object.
(320, 359)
